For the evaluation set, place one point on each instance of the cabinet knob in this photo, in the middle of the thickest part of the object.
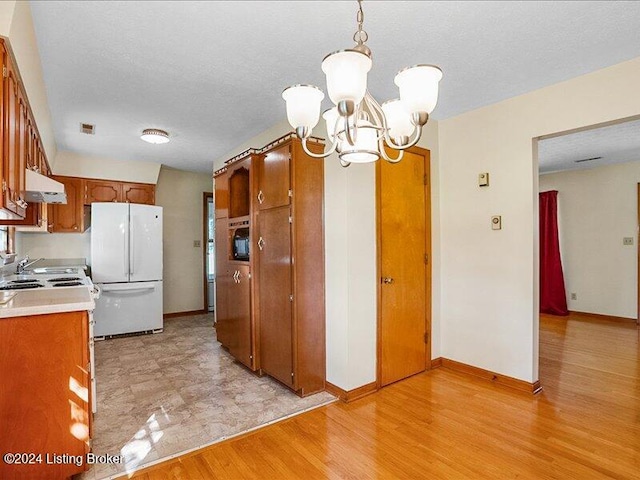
(387, 280)
(260, 197)
(261, 243)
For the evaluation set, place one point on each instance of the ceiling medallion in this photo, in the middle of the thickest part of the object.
(359, 128)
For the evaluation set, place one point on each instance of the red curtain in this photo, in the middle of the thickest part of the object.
(553, 298)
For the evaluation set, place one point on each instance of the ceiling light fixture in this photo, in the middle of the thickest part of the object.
(359, 128)
(153, 135)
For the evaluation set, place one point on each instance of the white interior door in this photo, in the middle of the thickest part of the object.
(145, 243)
(109, 242)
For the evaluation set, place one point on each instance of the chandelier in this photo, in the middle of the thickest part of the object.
(359, 128)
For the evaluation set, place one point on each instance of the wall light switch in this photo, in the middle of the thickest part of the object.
(496, 222)
(483, 179)
(627, 241)
(196, 244)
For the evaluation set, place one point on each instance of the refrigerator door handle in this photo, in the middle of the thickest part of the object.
(132, 237)
(106, 289)
(125, 237)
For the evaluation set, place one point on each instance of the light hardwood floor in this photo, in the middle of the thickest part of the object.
(441, 424)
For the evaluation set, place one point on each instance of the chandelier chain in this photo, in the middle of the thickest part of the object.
(361, 36)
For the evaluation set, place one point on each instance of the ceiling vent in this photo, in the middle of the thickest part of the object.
(88, 128)
(587, 159)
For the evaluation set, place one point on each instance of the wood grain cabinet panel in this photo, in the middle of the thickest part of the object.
(274, 265)
(45, 394)
(274, 181)
(102, 191)
(139, 193)
(221, 199)
(239, 315)
(74, 216)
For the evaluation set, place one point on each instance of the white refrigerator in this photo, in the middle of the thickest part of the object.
(126, 266)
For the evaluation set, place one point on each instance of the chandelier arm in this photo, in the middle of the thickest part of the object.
(351, 138)
(387, 157)
(416, 139)
(319, 155)
(377, 114)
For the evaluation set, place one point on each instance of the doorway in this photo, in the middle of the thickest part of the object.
(404, 266)
(208, 230)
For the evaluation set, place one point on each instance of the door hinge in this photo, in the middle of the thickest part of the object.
(426, 259)
(4, 72)
(426, 337)
(425, 179)
(4, 185)
(290, 193)
(292, 377)
(290, 219)
(291, 297)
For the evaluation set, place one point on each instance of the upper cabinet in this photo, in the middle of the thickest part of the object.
(74, 216)
(21, 146)
(102, 191)
(274, 179)
(139, 193)
(239, 189)
(221, 202)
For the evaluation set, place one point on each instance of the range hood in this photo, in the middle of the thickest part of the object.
(41, 189)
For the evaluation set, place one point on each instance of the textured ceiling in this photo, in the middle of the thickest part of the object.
(211, 73)
(615, 144)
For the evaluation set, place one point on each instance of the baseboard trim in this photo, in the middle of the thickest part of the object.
(493, 377)
(351, 395)
(183, 314)
(436, 363)
(601, 316)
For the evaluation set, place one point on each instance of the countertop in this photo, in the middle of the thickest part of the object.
(46, 300)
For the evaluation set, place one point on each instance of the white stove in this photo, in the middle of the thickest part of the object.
(50, 278)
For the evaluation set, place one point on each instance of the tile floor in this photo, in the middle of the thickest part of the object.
(159, 395)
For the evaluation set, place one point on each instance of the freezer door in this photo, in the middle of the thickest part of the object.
(109, 242)
(128, 308)
(145, 243)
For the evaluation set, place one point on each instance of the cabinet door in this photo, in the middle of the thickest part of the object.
(102, 191)
(223, 282)
(221, 200)
(274, 179)
(11, 139)
(274, 257)
(69, 217)
(139, 193)
(240, 189)
(239, 315)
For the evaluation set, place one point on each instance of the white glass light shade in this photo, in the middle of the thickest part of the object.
(365, 149)
(419, 87)
(398, 119)
(153, 135)
(346, 73)
(303, 105)
(331, 117)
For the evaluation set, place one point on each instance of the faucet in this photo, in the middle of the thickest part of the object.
(24, 263)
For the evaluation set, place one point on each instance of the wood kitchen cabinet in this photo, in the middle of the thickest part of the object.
(45, 396)
(74, 216)
(114, 191)
(102, 191)
(139, 193)
(278, 314)
(235, 317)
(21, 147)
(290, 266)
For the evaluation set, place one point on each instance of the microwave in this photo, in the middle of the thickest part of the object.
(241, 244)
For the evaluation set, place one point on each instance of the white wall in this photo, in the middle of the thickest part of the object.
(180, 194)
(54, 245)
(596, 209)
(16, 23)
(78, 165)
(489, 310)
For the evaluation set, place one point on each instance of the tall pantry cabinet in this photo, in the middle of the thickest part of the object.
(287, 264)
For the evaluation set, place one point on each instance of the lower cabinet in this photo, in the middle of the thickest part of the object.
(74, 216)
(275, 289)
(239, 315)
(45, 393)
